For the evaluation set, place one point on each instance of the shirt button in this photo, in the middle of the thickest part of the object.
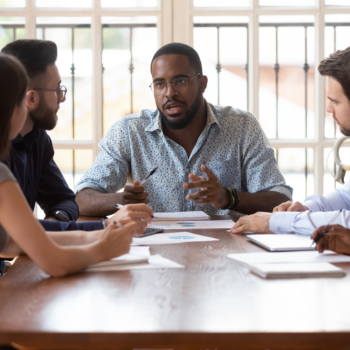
(187, 170)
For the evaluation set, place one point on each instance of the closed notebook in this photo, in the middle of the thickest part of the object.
(282, 243)
(296, 270)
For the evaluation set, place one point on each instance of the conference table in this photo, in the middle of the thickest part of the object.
(212, 303)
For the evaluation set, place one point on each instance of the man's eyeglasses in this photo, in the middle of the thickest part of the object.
(179, 84)
(61, 92)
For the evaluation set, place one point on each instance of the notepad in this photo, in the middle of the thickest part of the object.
(282, 243)
(296, 270)
(192, 225)
(181, 216)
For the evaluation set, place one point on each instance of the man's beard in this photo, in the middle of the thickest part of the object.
(342, 129)
(182, 123)
(43, 116)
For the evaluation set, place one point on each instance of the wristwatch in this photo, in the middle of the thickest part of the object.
(58, 215)
(233, 199)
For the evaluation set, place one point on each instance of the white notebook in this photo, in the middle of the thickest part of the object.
(182, 215)
(296, 270)
(282, 243)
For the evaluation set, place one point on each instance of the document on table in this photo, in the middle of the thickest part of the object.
(171, 238)
(181, 216)
(136, 255)
(290, 257)
(296, 270)
(192, 225)
(154, 262)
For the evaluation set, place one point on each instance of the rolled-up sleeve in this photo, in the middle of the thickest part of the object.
(111, 168)
(259, 167)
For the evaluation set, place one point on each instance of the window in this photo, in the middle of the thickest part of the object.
(258, 54)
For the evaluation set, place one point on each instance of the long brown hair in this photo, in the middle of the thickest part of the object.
(13, 86)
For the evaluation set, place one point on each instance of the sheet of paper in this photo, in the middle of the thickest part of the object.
(154, 262)
(183, 216)
(192, 225)
(296, 270)
(140, 250)
(172, 238)
(290, 257)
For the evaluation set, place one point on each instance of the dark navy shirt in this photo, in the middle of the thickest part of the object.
(40, 179)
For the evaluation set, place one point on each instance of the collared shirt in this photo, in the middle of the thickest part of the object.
(31, 162)
(321, 211)
(232, 145)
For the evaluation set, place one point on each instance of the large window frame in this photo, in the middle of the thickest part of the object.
(175, 24)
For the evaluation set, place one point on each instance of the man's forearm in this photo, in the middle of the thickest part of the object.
(251, 203)
(94, 203)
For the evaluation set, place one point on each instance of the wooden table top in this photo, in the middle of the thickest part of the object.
(214, 302)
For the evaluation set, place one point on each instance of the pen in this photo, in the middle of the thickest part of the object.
(326, 229)
(148, 176)
(119, 206)
(117, 224)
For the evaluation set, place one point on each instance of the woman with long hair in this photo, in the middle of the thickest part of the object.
(56, 253)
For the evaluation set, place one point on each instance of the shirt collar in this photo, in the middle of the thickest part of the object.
(29, 138)
(156, 122)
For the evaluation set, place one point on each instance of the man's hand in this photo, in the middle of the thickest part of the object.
(290, 206)
(336, 239)
(134, 193)
(256, 223)
(141, 214)
(211, 190)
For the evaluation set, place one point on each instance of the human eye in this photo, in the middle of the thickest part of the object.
(180, 81)
(159, 85)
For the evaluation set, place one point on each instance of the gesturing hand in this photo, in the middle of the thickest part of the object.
(211, 190)
(257, 223)
(290, 206)
(134, 193)
(336, 239)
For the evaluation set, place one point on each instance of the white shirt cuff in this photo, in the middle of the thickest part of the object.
(281, 222)
(311, 205)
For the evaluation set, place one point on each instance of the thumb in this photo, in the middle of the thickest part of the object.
(136, 183)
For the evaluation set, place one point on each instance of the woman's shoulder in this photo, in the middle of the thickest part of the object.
(5, 173)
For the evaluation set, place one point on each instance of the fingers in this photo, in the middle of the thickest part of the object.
(134, 188)
(313, 236)
(282, 207)
(198, 195)
(198, 184)
(210, 174)
(194, 177)
(139, 208)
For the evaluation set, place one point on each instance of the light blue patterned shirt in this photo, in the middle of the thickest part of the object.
(232, 145)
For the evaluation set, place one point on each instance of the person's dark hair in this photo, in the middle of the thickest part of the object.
(35, 55)
(181, 49)
(337, 66)
(13, 87)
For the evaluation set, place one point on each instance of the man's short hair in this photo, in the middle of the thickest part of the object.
(181, 49)
(337, 66)
(35, 55)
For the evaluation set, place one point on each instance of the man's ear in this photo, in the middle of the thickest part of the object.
(203, 82)
(32, 99)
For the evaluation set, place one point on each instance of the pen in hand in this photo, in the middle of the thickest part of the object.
(326, 229)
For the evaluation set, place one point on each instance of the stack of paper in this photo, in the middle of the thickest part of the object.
(181, 216)
(296, 270)
(293, 264)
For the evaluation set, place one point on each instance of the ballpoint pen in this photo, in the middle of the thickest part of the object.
(148, 176)
(326, 229)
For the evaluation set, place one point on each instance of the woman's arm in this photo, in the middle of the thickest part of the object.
(18, 220)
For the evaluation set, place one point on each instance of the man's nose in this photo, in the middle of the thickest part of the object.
(330, 108)
(170, 91)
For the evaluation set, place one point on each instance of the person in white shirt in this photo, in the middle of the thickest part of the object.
(316, 210)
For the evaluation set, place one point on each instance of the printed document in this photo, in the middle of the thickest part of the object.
(171, 238)
(181, 216)
(192, 225)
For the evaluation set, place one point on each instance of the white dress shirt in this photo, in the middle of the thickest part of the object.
(321, 210)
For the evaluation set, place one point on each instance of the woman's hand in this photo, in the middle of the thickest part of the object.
(115, 241)
(140, 214)
(336, 239)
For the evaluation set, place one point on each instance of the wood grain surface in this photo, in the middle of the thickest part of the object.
(213, 303)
